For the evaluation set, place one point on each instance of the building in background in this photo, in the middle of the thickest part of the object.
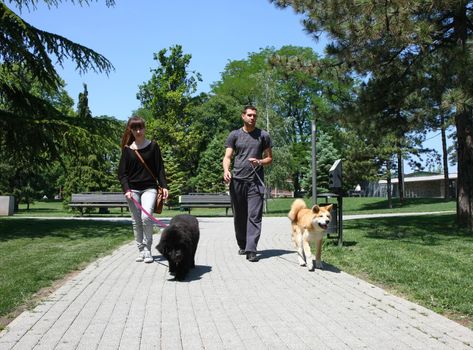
(417, 186)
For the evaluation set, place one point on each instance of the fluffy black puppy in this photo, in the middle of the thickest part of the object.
(178, 244)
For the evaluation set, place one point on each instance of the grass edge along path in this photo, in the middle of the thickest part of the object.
(38, 255)
(425, 259)
(357, 234)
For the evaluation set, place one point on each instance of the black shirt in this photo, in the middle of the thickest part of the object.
(132, 173)
(247, 145)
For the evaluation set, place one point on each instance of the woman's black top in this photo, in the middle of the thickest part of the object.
(132, 173)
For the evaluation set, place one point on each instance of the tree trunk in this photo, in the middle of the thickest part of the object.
(464, 124)
(400, 176)
(296, 183)
(389, 184)
(446, 181)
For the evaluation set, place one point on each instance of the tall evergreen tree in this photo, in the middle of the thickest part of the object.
(30, 125)
(327, 154)
(209, 174)
(91, 160)
(168, 95)
(367, 37)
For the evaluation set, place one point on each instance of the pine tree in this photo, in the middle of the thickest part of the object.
(210, 172)
(26, 52)
(372, 38)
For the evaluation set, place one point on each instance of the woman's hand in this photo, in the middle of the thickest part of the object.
(128, 194)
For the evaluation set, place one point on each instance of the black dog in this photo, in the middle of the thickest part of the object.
(178, 244)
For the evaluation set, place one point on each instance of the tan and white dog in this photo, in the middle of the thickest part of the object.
(309, 225)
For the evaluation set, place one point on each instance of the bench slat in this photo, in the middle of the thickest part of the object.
(205, 200)
(98, 200)
(110, 204)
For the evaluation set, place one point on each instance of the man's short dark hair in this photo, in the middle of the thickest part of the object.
(253, 108)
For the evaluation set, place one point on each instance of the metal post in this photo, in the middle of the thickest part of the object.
(402, 178)
(314, 164)
(340, 220)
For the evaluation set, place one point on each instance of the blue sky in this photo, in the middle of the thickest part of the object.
(214, 32)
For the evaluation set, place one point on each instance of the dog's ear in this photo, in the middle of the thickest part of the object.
(329, 207)
(160, 248)
(315, 209)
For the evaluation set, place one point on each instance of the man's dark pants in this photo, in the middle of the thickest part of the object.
(247, 204)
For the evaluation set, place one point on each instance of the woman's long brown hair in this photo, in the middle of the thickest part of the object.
(133, 122)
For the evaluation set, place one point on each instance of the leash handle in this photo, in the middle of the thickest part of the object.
(160, 223)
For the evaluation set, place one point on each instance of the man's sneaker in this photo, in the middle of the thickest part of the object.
(140, 257)
(147, 257)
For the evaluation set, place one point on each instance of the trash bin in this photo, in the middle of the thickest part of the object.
(7, 205)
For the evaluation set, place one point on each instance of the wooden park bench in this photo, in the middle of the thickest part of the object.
(205, 200)
(98, 200)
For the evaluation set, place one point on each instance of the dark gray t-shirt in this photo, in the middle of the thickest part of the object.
(247, 145)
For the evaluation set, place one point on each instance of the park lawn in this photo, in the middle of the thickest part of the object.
(369, 205)
(276, 207)
(36, 253)
(57, 209)
(425, 259)
(50, 208)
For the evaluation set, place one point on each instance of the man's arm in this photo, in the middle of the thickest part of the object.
(267, 157)
(266, 160)
(227, 160)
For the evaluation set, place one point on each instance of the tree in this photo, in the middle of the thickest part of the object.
(91, 160)
(168, 96)
(38, 128)
(287, 98)
(26, 55)
(209, 173)
(368, 38)
(27, 166)
(278, 175)
(176, 178)
(240, 78)
(83, 110)
(326, 156)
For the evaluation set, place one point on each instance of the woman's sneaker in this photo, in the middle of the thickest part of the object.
(140, 257)
(147, 257)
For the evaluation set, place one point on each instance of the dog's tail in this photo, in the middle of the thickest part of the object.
(296, 206)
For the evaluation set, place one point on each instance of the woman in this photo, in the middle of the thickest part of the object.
(139, 184)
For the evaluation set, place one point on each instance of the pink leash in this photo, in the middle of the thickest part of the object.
(160, 223)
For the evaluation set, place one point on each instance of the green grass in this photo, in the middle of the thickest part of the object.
(276, 207)
(426, 259)
(369, 205)
(35, 253)
(56, 209)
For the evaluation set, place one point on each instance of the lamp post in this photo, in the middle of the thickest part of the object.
(314, 163)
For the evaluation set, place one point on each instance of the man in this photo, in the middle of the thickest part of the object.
(252, 150)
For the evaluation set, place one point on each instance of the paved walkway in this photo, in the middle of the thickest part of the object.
(227, 303)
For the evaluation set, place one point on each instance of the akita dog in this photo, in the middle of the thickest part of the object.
(309, 225)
